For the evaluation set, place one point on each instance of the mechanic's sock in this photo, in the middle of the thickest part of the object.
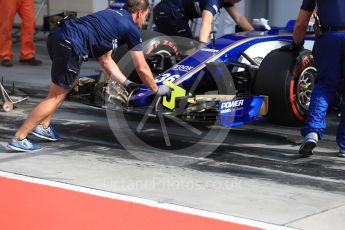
(312, 136)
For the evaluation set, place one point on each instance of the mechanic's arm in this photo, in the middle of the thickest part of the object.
(301, 26)
(111, 68)
(143, 70)
(206, 26)
(239, 19)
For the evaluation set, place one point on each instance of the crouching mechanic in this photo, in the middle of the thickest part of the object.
(329, 49)
(172, 16)
(70, 44)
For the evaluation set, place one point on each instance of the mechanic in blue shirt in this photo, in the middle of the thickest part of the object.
(329, 50)
(70, 44)
(172, 16)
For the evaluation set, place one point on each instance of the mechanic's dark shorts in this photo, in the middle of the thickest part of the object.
(170, 20)
(66, 63)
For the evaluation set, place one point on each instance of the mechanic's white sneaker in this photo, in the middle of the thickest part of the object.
(341, 153)
(24, 145)
(308, 145)
(48, 133)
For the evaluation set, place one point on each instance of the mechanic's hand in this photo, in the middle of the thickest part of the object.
(163, 90)
(292, 47)
(130, 86)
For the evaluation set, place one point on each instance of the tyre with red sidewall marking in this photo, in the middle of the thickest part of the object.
(287, 79)
(153, 44)
(156, 44)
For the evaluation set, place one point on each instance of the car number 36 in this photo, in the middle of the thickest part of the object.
(167, 77)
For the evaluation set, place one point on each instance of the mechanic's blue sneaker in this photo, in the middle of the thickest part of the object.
(308, 145)
(48, 133)
(341, 153)
(23, 145)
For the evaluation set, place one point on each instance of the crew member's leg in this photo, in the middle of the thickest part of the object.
(27, 30)
(43, 110)
(65, 72)
(47, 120)
(341, 127)
(9, 10)
(328, 79)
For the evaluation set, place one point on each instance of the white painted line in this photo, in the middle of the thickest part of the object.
(141, 201)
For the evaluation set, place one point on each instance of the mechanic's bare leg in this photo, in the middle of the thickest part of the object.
(43, 110)
(46, 121)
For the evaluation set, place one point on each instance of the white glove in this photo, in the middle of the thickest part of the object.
(163, 90)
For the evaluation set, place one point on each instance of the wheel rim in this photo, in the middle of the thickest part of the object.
(165, 52)
(305, 86)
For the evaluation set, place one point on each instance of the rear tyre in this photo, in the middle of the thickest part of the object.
(287, 80)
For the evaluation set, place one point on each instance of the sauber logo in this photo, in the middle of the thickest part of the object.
(185, 68)
(232, 104)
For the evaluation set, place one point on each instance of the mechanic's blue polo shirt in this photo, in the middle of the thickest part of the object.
(194, 8)
(331, 12)
(98, 33)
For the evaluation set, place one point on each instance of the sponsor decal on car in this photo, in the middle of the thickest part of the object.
(242, 110)
(185, 68)
(231, 106)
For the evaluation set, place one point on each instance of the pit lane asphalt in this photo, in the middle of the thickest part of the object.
(255, 173)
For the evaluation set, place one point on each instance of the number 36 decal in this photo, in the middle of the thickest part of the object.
(167, 77)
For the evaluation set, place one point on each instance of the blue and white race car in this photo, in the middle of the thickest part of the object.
(235, 79)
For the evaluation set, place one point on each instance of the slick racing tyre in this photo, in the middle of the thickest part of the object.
(287, 79)
(157, 49)
(153, 42)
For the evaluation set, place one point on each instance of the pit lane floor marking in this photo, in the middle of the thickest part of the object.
(33, 203)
